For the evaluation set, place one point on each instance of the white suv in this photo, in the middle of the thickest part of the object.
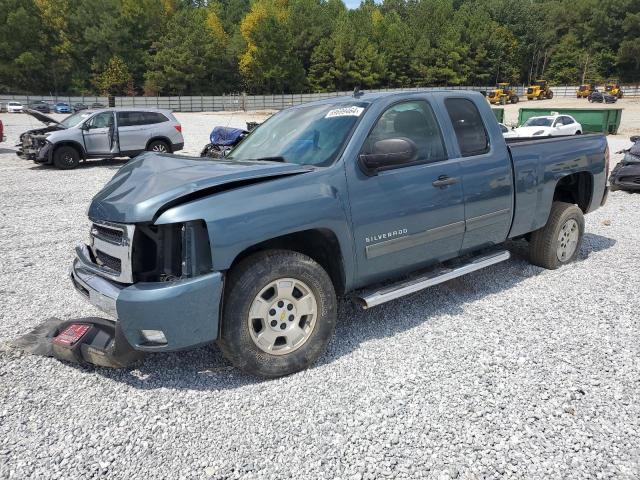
(104, 133)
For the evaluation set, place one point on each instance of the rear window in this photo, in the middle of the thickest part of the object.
(468, 125)
(130, 119)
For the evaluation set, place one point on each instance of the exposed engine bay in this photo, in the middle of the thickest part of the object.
(32, 141)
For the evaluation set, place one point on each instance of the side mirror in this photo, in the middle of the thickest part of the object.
(387, 154)
(84, 127)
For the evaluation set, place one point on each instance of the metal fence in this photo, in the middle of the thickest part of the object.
(240, 101)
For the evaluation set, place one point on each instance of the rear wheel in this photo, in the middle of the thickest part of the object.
(515, 99)
(550, 95)
(279, 313)
(66, 158)
(159, 146)
(558, 242)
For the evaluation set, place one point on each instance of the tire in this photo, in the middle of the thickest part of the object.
(66, 158)
(550, 95)
(515, 99)
(558, 242)
(252, 291)
(578, 132)
(159, 146)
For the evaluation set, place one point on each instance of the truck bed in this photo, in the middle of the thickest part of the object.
(538, 166)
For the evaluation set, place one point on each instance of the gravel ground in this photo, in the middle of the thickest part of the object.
(512, 372)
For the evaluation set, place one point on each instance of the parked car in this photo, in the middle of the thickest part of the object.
(549, 126)
(602, 97)
(40, 106)
(79, 106)
(374, 196)
(97, 106)
(506, 131)
(626, 174)
(14, 107)
(62, 107)
(105, 133)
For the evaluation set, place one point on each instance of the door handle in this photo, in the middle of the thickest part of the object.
(444, 181)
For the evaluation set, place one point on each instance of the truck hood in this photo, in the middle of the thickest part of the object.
(153, 182)
(47, 120)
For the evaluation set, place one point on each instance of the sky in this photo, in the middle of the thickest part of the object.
(352, 3)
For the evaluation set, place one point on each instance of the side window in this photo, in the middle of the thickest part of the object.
(130, 119)
(101, 120)
(123, 119)
(468, 125)
(153, 117)
(414, 121)
(567, 120)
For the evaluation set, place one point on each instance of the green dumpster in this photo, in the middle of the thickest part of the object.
(594, 120)
(499, 113)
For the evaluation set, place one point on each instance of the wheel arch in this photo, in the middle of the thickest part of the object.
(160, 138)
(69, 143)
(320, 244)
(576, 188)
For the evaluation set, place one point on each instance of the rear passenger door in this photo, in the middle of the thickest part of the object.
(132, 132)
(486, 170)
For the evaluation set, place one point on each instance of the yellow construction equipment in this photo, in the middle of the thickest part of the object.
(502, 94)
(586, 89)
(539, 90)
(612, 87)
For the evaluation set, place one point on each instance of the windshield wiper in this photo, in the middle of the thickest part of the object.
(266, 159)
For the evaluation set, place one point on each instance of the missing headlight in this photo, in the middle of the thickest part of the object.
(163, 253)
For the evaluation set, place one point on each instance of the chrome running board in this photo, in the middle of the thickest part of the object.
(374, 297)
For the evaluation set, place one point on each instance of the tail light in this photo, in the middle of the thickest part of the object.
(178, 127)
(607, 158)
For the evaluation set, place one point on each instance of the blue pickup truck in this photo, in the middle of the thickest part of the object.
(373, 196)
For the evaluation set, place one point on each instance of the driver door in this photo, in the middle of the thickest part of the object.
(411, 215)
(99, 133)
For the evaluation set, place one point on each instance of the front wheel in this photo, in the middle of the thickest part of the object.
(66, 158)
(279, 313)
(558, 242)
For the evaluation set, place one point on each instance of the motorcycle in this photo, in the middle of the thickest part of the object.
(223, 139)
(626, 174)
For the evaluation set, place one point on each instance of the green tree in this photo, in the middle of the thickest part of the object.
(115, 79)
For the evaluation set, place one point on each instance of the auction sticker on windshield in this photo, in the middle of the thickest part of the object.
(345, 112)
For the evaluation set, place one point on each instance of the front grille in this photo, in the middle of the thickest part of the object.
(109, 234)
(107, 261)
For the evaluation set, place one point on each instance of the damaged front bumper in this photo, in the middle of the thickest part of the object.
(154, 316)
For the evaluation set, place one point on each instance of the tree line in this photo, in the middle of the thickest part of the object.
(179, 47)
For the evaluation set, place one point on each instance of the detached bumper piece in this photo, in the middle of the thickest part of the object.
(87, 340)
(93, 340)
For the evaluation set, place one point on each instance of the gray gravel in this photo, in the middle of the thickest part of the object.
(513, 371)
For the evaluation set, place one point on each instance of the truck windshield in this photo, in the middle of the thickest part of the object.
(538, 122)
(76, 118)
(306, 135)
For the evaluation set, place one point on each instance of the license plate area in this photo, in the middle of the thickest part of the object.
(71, 335)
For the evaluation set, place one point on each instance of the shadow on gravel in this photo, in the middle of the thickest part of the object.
(109, 163)
(206, 369)
(6, 150)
